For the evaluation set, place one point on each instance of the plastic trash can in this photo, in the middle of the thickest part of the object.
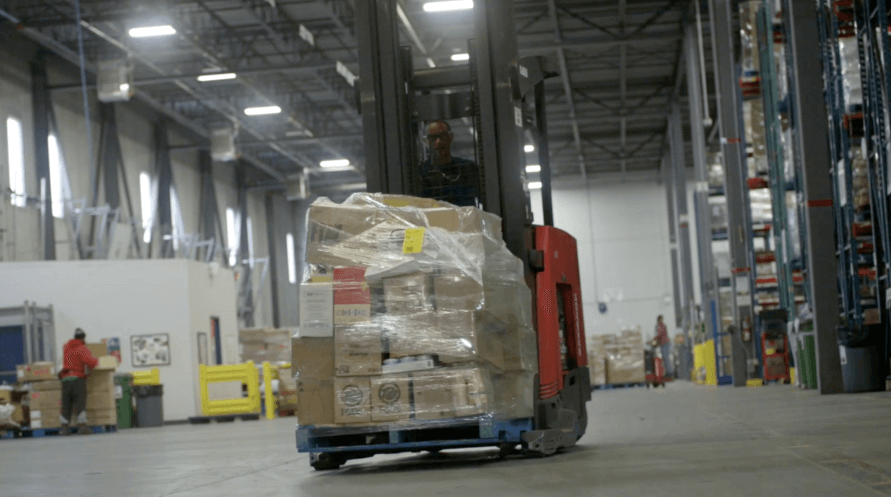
(123, 385)
(149, 405)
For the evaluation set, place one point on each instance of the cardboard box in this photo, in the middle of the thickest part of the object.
(471, 336)
(100, 382)
(100, 400)
(357, 350)
(352, 400)
(41, 386)
(313, 358)
(252, 335)
(100, 417)
(513, 395)
(450, 393)
(98, 349)
(315, 402)
(352, 298)
(391, 398)
(36, 371)
(18, 416)
(107, 362)
(46, 418)
(5, 396)
(316, 310)
(49, 399)
(408, 294)
(596, 369)
(458, 292)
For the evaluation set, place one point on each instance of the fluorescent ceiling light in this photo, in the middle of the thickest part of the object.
(335, 163)
(458, 57)
(125, 87)
(529, 148)
(447, 6)
(150, 31)
(534, 168)
(535, 185)
(263, 111)
(216, 76)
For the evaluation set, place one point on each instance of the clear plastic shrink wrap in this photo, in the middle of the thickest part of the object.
(431, 317)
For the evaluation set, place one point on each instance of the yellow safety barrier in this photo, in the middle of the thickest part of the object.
(245, 373)
(267, 384)
(757, 382)
(142, 378)
(792, 376)
(704, 368)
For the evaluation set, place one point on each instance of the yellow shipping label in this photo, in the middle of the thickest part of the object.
(414, 241)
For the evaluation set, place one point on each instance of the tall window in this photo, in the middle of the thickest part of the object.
(15, 141)
(60, 188)
(233, 235)
(250, 237)
(292, 263)
(147, 204)
(176, 218)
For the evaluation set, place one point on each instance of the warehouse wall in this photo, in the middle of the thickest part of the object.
(19, 227)
(624, 249)
(126, 298)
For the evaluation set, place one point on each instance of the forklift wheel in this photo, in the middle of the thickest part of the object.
(325, 461)
(506, 449)
(434, 450)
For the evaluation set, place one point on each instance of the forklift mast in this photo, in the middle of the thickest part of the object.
(503, 95)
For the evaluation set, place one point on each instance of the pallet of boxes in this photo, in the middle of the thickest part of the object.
(272, 345)
(101, 393)
(624, 358)
(414, 313)
(597, 360)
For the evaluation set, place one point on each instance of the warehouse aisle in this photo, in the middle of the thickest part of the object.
(683, 440)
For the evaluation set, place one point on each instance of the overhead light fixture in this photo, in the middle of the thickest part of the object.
(535, 185)
(448, 6)
(534, 168)
(529, 148)
(216, 77)
(458, 57)
(327, 164)
(125, 87)
(263, 111)
(150, 31)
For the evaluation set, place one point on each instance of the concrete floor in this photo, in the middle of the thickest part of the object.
(680, 441)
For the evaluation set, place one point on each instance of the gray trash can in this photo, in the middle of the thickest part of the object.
(149, 405)
(862, 368)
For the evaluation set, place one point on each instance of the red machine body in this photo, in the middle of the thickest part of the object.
(558, 296)
(776, 357)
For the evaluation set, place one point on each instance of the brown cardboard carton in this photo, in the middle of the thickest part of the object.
(101, 417)
(352, 297)
(450, 393)
(357, 350)
(252, 335)
(317, 310)
(45, 418)
(315, 402)
(596, 369)
(458, 292)
(36, 371)
(471, 336)
(49, 399)
(97, 349)
(5, 396)
(408, 294)
(18, 415)
(100, 399)
(352, 400)
(390, 398)
(513, 394)
(100, 382)
(107, 362)
(40, 386)
(313, 358)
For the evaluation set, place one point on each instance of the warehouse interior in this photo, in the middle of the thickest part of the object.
(674, 275)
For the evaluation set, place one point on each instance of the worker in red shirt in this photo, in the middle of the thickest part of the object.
(76, 359)
(665, 343)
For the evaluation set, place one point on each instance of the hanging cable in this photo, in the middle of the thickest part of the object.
(83, 88)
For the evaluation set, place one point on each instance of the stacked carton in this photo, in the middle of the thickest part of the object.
(625, 357)
(414, 311)
(101, 403)
(271, 345)
(597, 360)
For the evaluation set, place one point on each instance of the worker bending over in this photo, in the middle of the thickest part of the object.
(76, 359)
(443, 177)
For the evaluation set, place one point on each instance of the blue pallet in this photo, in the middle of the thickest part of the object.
(416, 436)
(47, 432)
(619, 385)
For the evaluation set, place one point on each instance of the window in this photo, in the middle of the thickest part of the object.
(147, 205)
(292, 263)
(60, 188)
(176, 217)
(15, 141)
(233, 235)
(250, 237)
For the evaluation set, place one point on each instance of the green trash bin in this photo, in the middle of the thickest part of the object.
(809, 362)
(123, 385)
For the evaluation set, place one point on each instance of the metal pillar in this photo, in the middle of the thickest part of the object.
(673, 240)
(679, 180)
(110, 168)
(733, 149)
(246, 302)
(275, 264)
(42, 109)
(707, 279)
(811, 145)
(164, 173)
(210, 224)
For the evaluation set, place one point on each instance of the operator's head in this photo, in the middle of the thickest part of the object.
(80, 334)
(659, 319)
(439, 137)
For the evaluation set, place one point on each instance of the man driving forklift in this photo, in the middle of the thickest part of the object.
(444, 177)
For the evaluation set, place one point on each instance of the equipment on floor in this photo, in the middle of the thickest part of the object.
(655, 366)
(774, 345)
(502, 96)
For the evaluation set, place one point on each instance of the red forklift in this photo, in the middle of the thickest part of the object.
(654, 366)
(502, 96)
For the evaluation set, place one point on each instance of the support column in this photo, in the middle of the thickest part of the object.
(677, 284)
(707, 279)
(210, 224)
(810, 144)
(165, 183)
(679, 179)
(42, 111)
(733, 148)
(246, 302)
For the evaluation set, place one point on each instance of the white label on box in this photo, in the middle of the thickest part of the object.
(317, 310)
(36, 423)
(405, 367)
(36, 415)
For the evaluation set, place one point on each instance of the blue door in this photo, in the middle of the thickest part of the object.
(12, 352)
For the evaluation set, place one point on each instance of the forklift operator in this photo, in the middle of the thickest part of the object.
(444, 177)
